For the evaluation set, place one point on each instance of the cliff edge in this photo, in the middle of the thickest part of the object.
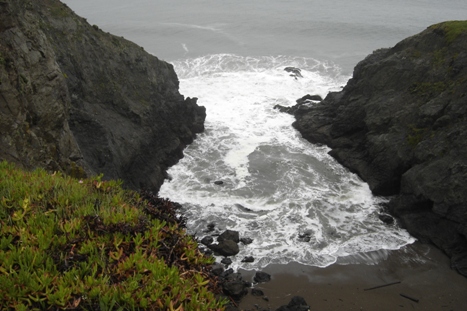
(76, 99)
(400, 123)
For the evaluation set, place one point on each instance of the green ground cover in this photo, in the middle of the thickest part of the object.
(88, 244)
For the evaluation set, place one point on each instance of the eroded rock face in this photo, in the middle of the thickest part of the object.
(74, 96)
(400, 123)
(34, 100)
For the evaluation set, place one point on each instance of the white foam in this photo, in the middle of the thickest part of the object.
(291, 197)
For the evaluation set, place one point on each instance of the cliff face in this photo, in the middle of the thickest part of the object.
(77, 99)
(401, 124)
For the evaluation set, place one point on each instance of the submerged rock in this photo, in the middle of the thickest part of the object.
(400, 124)
(246, 241)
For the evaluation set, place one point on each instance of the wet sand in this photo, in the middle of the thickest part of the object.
(426, 281)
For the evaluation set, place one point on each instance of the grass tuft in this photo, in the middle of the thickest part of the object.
(452, 29)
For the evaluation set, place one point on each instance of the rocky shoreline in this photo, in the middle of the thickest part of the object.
(400, 124)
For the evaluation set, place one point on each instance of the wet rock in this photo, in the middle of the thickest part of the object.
(235, 289)
(207, 240)
(262, 277)
(305, 236)
(297, 303)
(226, 261)
(290, 110)
(295, 72)
(229, 235)
(233, 284)
(210, 227)
(219, 182)
(246, 241)
(387, 219)
(225, 248)
(248, 259)
(308, 98)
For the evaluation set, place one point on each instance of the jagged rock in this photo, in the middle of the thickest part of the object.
(400, 124)
(225, 248)
(83, 101)
(308, 98)
(229, 235)
(261, 277)
(233, 285)
(295, 72)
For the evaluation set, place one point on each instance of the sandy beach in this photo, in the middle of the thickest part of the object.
(420, 276)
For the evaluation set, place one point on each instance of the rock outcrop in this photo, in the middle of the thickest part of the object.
(401, 124)
(76, 99)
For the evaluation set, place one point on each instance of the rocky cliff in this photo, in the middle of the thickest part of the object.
(401, 124)
(77, 99)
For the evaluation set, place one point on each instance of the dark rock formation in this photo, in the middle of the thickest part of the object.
(76, 99)
(294, 72)
(248, 259)
(262, 277)
(226, 261)
(401, 124)
(225, 248)
(229, 235)
(233, 285)
(297, 303)
(207, 240)
(302, 106)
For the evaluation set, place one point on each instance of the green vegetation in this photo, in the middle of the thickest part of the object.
(90, 245)
(452, 29)
(428, 89)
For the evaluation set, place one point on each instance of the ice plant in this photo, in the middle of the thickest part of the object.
(91, 245)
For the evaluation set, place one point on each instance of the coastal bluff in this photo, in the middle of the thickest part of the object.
(400, 123)
(76, 99)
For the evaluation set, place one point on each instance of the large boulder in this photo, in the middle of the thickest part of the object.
(401, 124)
(77, 99)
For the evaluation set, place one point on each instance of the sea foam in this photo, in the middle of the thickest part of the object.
(294, 200)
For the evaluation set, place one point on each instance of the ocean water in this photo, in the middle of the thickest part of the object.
(289, 196)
